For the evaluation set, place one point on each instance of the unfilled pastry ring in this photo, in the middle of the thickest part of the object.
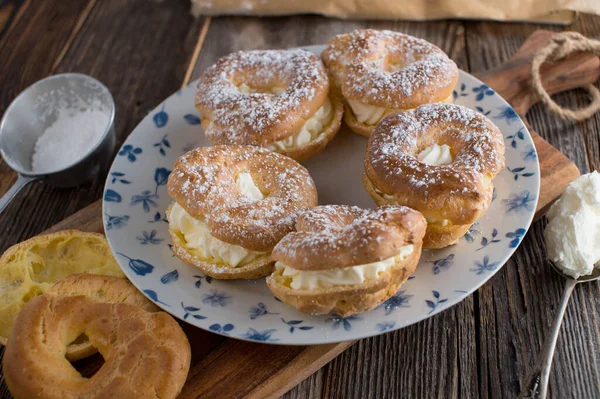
(346, 259)
(382, 72)
(279, 99)
(238, 200)
(31, 267)
(146, 355)
(101, 289)
(451, 196)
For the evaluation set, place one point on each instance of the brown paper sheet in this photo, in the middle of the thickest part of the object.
(547, 11)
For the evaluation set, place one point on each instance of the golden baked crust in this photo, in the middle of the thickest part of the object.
(260, 118)
(259, 267)
(336, 236)
(339, 236)
(360, 63)
(203, 184)
(389, 70)
(437, 236)
(101, 289)
(460, 192)
(347, 300)
(145, 354)
(31, 267)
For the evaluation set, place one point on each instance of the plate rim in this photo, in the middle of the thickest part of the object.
(451, 302)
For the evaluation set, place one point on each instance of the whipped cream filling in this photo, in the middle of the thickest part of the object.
(353, 275)
(573, 232)
(246, 187)
(436, 155)
(371, 115)
(311, 129)
(206, 246)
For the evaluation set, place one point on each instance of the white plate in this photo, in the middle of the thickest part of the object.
(136, 197)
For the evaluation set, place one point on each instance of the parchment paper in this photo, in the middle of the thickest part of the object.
(548, 11)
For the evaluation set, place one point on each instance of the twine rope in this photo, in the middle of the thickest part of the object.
(560, 46)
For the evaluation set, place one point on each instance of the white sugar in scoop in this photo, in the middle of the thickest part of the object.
(71, 136)
(60, 130)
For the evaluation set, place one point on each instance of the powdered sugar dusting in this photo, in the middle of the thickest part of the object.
(363, 62)
(260, 118)
(339, 236)
(476, 143)
(203, 183)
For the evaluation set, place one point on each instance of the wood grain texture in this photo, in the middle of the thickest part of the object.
(516, 306)
(363, 370)
(590, 27)
(139, 49)
(139, 69)
(8, 11)
(27, 54)
(481, 347)
(512, 80)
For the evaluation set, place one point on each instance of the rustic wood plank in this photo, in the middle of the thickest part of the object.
(228, 34)
(139, 69)
(312, 387)
(515, 307)
(7, 13)
(382, 378)
(436, 357)
(589, 26)
(25, 44)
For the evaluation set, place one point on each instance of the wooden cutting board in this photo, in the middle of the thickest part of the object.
(224, 367)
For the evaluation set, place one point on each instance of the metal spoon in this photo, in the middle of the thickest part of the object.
(538, 380)
(35, 109)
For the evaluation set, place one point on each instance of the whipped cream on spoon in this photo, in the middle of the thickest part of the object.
(573, 240)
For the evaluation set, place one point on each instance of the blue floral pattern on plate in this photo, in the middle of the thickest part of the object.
(137, 230)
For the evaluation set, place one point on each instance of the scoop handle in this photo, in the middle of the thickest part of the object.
(21, 182)
(537, 386)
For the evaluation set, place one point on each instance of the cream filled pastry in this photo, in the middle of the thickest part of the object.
(278, 99)
(346, 259)
(232, 205)
(436, 154)
(344, 276)
(440, 160)
(379, 73)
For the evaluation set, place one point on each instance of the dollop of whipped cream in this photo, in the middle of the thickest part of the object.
(436, 154)
(311, 129)
(246, 187)
(573, 231)
(370, 114)
(353, 275)
(206, 246)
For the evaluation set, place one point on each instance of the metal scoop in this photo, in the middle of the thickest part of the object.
(37, 108)
(538, 380)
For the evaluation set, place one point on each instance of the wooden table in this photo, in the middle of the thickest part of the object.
(143, 51)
